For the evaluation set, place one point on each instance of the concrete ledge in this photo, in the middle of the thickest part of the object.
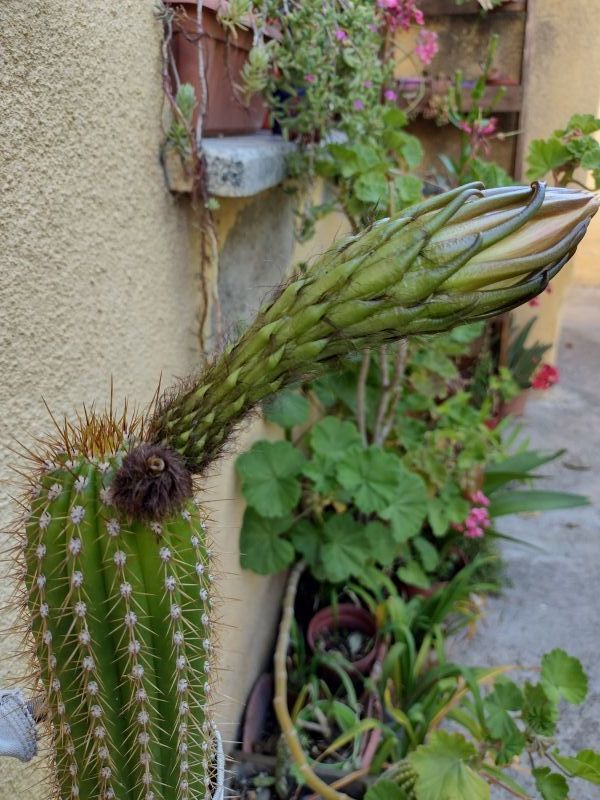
(240, 166)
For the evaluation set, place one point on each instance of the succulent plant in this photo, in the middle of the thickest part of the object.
(115, 557)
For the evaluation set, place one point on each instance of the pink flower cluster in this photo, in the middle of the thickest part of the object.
(545, 377)
(401, 13)
(478, 518)
(427, 46)
(482, 128)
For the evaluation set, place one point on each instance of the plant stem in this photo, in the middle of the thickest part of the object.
(361, 396)
(280, 700)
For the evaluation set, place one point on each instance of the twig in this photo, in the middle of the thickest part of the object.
(392, 394)
(361, 394)
(280, 700)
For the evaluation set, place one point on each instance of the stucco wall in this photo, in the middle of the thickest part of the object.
(98, 271)
(561, 80)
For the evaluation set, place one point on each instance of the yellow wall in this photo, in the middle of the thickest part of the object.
(562, 80)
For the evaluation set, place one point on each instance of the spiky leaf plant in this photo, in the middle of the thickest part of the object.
(116, 562)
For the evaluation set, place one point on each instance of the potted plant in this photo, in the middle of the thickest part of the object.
(210, 51)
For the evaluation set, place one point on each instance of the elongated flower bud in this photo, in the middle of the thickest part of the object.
(461, 256)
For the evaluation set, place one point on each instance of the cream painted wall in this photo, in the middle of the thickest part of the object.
(98, 272)
(563, 78)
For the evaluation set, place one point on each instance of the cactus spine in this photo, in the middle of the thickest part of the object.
(115, 555)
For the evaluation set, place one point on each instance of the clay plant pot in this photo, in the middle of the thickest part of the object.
(351, 618)
(227, 111)
(516, 406)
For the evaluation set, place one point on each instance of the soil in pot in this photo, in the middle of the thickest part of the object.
(348, 630)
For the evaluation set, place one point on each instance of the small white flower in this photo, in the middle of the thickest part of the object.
(74, 546)
(77, 514)
(81, 483)
(80, 609)
(165, 554)
(175, 611)
(92, 688)
(54, 491)
(45, 520)
(77, 579)
(44, 610)
(96, 711)
(88, 664)
(112, 527)
(125, 589)
(130, 619)
(120, 558)
(40, 550)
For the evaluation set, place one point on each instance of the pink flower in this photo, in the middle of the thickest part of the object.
(490, 127)
(401, 13)
(368, 84)
(479, 498)
(464, 126)
(309, 77)
(534, 302)
(545, 377)
(390, 95)
(358, 105)
(340, 35)
(427, 46)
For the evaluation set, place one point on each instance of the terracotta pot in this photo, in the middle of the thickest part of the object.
(257, 710)
(516, 406)
(345, 616)
(227, 111)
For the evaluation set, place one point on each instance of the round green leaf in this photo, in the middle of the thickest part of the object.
(444, 768)
(551, 785)
(409, 505)
(563, 676)
(269, 473)
(373, 477)
(261, 547)
(287, 408)
(332, 438)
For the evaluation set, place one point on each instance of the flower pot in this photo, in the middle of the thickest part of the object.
(328, 621)
(516, 406)
(224, 56)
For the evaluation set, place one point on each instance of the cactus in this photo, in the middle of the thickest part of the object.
(115, 554)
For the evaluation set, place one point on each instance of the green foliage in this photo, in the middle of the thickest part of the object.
(563, 676)
(524, 359)
(568, 149)
(445, 769)
(269, 473)
(179, 134)
(551, 785)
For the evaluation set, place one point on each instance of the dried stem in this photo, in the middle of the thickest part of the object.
(390, 395)
(280, 700)
(361, 389)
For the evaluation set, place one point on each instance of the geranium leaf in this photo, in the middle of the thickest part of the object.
(269, 473)
(585, 765)
(344, 548)
(332, 438)
(261, 547)
(372, 476)
(539, 712)
(544, 156)
(563, 676)
(550, 785)
(383, 548)
(412, 574)
(385, 790)
(445, 770)
(409, 507)
(287, 408)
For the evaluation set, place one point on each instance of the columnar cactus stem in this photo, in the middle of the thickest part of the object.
(122, 620)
